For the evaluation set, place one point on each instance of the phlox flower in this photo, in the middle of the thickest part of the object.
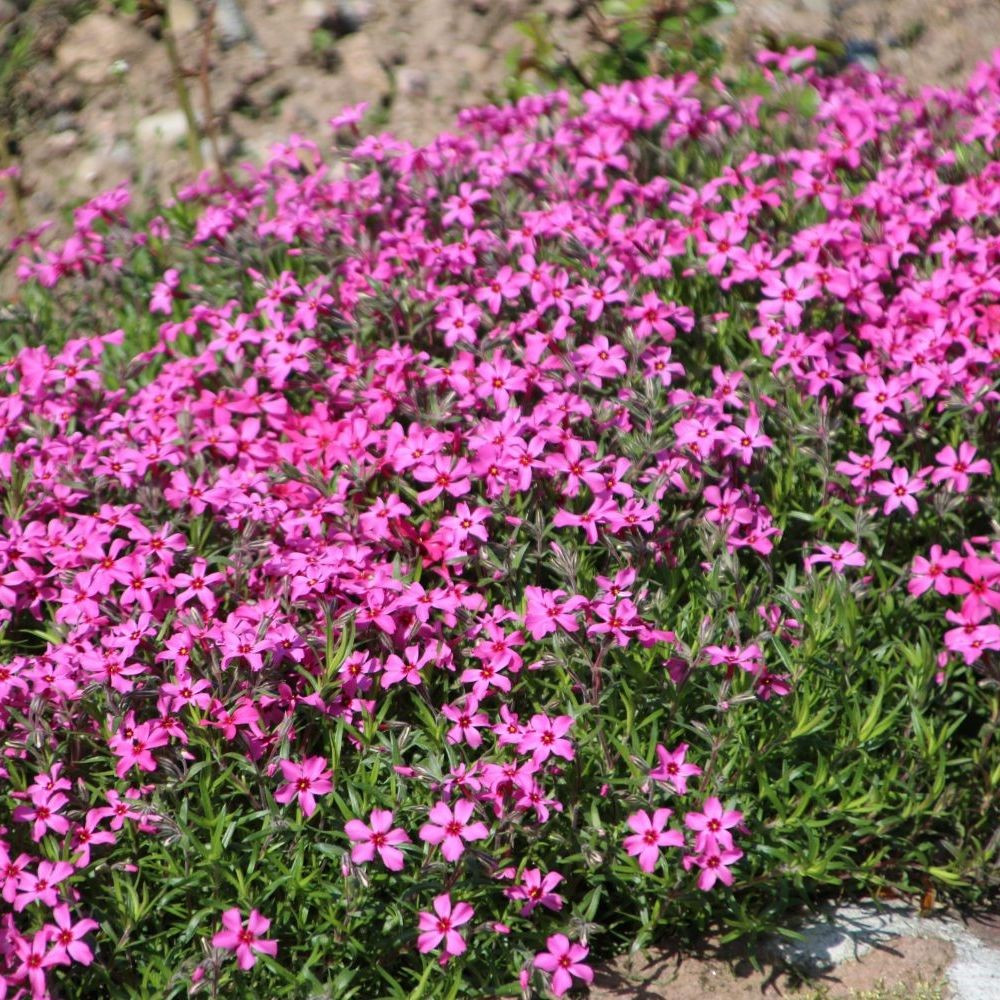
(954, 468)
(932, 572)
(35, 958)
(712, 825)
(899, 491)
(505, 284)
(11, 871)
(543, 615)
(536, 890)
(305, 780)
(451, 828)
(649, 835)
(67, 938)
(846, 554)
(197, 585)
(673, 768)
(545, 736)
(440, 926)
(714, 863)
(601, 359)
(41, 886)
(767, 685)
(43, 813)
(379, 836)
(245, 940)
(861, 468)
(467, 721)
(349, 116)
(564, 960)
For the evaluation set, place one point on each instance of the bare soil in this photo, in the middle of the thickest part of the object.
(728, 974)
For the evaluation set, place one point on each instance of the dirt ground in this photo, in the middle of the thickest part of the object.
(720, 974)
(96, 102)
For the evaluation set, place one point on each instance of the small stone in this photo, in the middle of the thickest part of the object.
(863, 53)
(165, 130)
(231, 24)
(412, 82)
(183, 16)
(122, 153)
(60, 143)
(7, 12)
(347, 16)
(315, 12)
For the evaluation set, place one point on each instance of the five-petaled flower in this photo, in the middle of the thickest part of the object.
(305, 780)
(377, 835)
(451, 828)
(245, 940)
(564, 960)
(441, 926)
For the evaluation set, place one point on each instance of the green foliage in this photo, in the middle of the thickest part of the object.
(630, 39)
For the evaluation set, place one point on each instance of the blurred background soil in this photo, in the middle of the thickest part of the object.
(88, 98)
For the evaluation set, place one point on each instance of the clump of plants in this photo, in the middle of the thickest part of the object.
(427, 570)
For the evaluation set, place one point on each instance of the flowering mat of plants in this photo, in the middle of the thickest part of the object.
(425, 571)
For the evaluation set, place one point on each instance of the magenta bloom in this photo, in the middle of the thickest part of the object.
(67, 938)
(545, 736)
(440, 926)
(244, 940)
(379, 836)
(451, 828)
(713, 825)
(847, 554)
(899, 492)
(673, 768)
(564, 960)
(649, 835)
(954, 468)
(714, 864)
(305, 780)
(536, 890)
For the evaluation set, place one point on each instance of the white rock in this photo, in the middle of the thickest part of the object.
(850, 932)
(165, 129)
(183, 16)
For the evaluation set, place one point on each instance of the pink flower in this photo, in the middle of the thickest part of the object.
(34, 961)
(41, 887)
(379, 836)
(846, 554)
(197, 585)
(900, 491)
(787, 293)
(648, 836)
(305, 780)
(67, 938)
(545, 736)
(714, 863)
(954, 468)
(594, 298)
(564, 960)
(440, 926)
(244, 940)
(673, 767)
(451, 828)
(536, 890)
(932, 572)
(713, 825)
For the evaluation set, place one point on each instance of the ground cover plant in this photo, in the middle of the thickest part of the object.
(425, 571)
